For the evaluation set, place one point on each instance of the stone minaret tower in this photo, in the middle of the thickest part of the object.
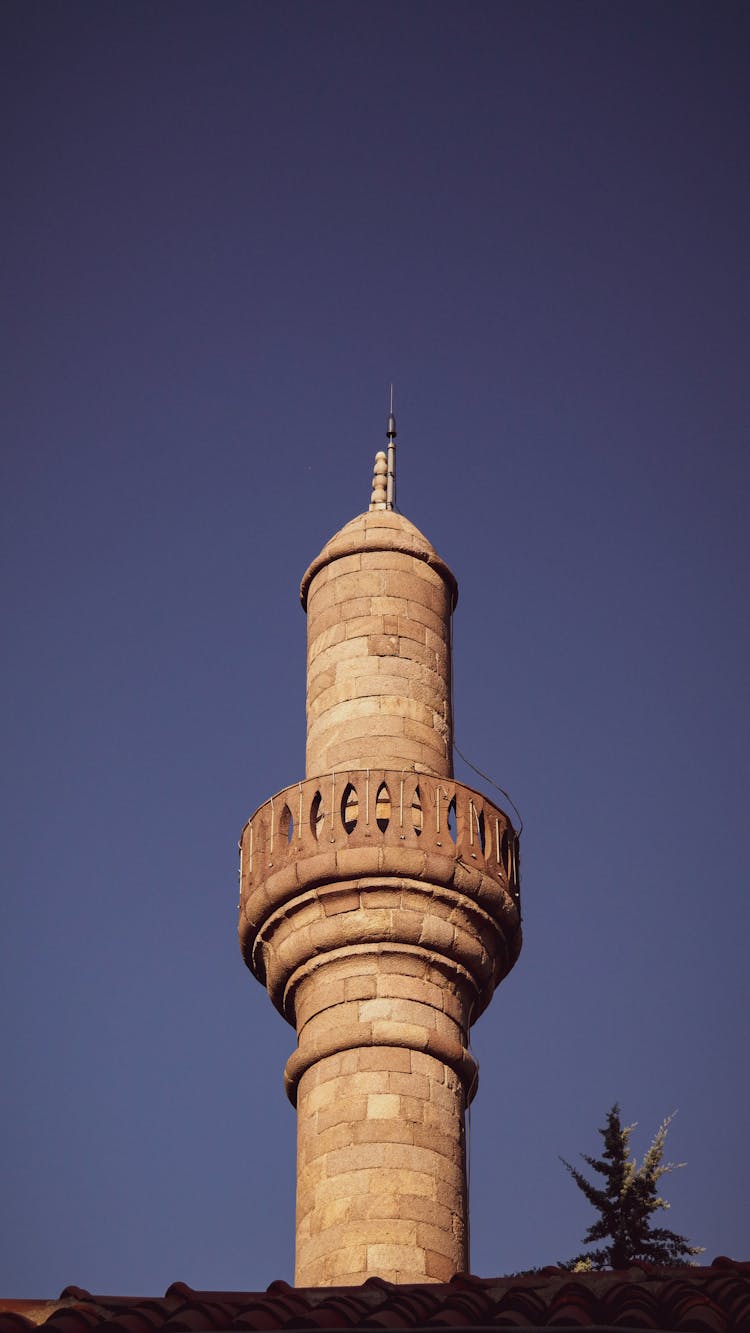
(379, 906)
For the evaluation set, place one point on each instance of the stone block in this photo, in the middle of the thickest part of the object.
(443, 1096)
(443, 1118)
(341, 726)
(354, 965)
(359, 1158)
(399, 581)
(437, 934)
(349, 1278)
(387, 1258)
(440, 1268)
(353, 646)
(320, 598)
(311, 1174)
(342, 1111)
(343, 564)
(333, 1214)
(373, 898)
(433, 736)
(409, 673)
(407, 1084)
(349, 1258)
(439, 643)
(412, 631)
(448, 1027)
(318, 1098)
(390, 1060)
(366, 1081)
(384, 605)
(360, 627)
(406, 1180)
(455, 1005)
(398, 1011)
(344, 1185)
(325, 637)
(382, 1131)
(342, 1018)
(397, 560)
(412, 1109)
(396, 1230)
(404, 964)
(360, 988)
(382, 1106)
(373, 681)
(417, 654)
(423, 615)
(320, 721)
(356, 607)
(435, 1238)
(333, 903)
(392, 1032)
(397, 986)
(321, 1144)
(318, 991)
(322, 677)
(354, 586)
(426, 1210)
(325, 1243)
(384, 1206)
(321, 621)
(383, 645)
(447, 1145)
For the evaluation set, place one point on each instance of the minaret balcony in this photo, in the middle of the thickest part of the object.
(377, 860)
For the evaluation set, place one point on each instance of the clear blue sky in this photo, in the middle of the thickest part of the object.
(226, 227)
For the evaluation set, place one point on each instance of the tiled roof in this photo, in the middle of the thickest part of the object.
(713, 1299)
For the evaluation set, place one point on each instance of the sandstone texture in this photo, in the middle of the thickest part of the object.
(379, 602)
(380, 908)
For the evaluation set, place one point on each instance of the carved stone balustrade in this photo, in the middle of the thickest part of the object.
(372, 862)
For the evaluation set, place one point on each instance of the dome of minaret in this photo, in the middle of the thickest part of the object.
(379, 530)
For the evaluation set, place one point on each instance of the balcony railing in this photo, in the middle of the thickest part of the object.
(379, 807)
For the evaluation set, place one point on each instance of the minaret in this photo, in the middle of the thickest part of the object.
(380, 908)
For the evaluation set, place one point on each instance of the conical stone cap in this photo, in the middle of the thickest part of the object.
(379, 530)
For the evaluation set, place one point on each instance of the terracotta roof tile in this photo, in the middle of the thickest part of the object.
(519, 1309)
(73, 1319)
(256, 1319)
(12, 1321)
(340, 1311)
(715, 1299)
(138, 1320)
(514, 1319)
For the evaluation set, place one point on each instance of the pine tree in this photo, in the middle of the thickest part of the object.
(626, 1202)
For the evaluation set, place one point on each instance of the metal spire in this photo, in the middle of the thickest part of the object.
(390, 493)
(384, 474)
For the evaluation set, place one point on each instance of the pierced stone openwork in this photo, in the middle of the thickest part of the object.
(382, 807)
(286, 823)
(349, 808)
(317, 815)
(365, 808)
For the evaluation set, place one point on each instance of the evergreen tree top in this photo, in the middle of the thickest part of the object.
(626, 1201)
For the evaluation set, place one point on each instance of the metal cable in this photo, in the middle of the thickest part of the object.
(496, 785)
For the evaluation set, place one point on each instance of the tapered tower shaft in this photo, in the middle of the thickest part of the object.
(380, 908)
